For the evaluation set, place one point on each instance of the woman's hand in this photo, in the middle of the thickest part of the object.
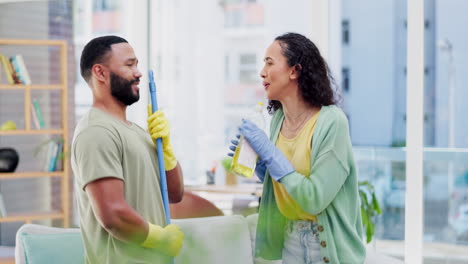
(277, 164)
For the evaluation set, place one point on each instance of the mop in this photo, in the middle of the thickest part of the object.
(159, 151)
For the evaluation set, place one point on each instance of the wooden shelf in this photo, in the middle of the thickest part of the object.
(31, 132)
(32, 87)
(29, 217)
(32, 42)
(7, 260)
(60, 48)
(32, 174)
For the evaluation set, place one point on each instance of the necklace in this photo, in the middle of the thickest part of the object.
(290, 128)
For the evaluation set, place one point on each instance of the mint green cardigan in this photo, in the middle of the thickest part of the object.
(330, 192)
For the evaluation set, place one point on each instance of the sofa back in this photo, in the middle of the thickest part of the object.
(218, 239)
(42, 244)
(209, 240)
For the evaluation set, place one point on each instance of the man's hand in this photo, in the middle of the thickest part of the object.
(158, 127)
(167, 240)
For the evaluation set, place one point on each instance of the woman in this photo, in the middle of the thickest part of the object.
(309, 212)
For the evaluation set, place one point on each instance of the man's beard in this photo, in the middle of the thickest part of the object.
(121, 89)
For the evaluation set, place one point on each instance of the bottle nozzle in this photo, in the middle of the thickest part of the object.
(259, 107)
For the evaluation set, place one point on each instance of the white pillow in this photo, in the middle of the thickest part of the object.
(215, 240)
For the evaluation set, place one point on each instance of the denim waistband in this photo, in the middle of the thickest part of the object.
(300, 225)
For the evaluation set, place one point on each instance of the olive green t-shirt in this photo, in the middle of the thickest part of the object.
(104, 146)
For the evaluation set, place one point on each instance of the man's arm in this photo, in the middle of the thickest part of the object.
(115, 215)
(175, 184)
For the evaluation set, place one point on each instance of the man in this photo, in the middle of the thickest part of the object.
(115, 165)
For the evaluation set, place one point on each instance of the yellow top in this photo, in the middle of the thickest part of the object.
(297, 150)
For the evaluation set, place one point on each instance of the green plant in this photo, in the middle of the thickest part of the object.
(398, 143)
(369, 208)
(226, 162)
(38, 149)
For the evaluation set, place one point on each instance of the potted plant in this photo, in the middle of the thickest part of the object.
(231, 178)
(370, 208)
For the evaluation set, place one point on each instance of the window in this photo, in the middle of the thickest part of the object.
(226, 67)
(426, 24)
(105, 5)
(243, 14)
(426, 70)
(345, 31)
(247, 68)
(345, 75)
(233, 18)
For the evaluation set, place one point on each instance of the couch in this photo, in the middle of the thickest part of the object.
(218, 239)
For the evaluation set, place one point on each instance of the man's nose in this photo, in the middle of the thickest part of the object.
(138, 74)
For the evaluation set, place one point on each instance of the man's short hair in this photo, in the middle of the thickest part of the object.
(95, 52)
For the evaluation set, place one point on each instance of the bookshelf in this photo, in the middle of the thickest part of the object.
(29, 130)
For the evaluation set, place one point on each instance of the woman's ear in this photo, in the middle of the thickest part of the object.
(295, 72)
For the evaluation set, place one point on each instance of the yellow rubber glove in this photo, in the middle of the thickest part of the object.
(167, 240)
(158, 127)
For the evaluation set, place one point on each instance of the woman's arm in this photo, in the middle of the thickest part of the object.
(316, 192)
(329, 170)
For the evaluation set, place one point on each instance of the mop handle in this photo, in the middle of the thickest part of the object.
(159, 150)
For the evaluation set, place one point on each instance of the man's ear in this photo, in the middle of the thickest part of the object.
(100, 72)
(295, 72)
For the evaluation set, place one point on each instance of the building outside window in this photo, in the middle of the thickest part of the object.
(248, 68)
(345, 32)
(345, 75)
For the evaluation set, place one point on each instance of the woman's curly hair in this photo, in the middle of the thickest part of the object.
(314, 77)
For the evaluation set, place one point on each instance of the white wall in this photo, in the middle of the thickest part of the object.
(188, 57)
(288, 16)
(135, 31)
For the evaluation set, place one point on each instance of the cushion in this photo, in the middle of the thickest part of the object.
(35, 229)
(53, 248)
(252, 223)
(218, 239)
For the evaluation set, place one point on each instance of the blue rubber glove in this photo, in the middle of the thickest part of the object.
(260, 168)
(233, 147)
(276, 163)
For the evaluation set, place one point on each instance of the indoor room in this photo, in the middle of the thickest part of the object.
(204, 73)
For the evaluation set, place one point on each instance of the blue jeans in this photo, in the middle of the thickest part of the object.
(301, 243)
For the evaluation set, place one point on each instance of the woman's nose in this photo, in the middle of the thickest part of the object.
(263, 74)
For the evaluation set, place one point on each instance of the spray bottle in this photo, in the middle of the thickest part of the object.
(245, 158)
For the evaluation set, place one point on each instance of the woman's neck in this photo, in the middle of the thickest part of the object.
(295, 109)
(296, 113)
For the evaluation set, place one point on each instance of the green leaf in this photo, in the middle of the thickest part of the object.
(369, 208)
(376, 205)
(365, 220)
(369, 232)
(367, 184)
(364, 200)
(226, 162)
